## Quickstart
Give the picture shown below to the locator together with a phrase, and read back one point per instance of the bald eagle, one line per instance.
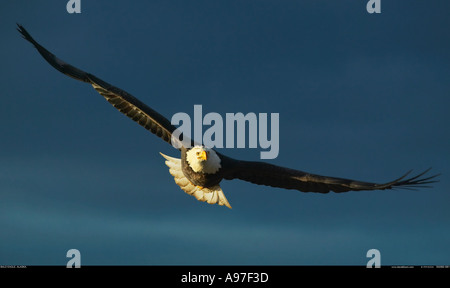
(201, 169)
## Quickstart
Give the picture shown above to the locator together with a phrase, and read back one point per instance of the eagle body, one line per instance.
(200, 170)
(200, 179)
(211, 194)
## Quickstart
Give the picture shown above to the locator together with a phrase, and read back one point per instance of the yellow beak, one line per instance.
(203, 156)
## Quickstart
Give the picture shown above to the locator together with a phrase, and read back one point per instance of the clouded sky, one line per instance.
(359, 95)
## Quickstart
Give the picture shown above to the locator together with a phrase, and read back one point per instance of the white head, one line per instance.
(203, 159)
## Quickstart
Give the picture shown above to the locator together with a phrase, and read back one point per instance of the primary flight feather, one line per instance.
(200, 169)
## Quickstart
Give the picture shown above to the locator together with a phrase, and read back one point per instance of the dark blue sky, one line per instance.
(359, 96)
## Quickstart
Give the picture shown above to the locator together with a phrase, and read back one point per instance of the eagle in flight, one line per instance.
(201, 169)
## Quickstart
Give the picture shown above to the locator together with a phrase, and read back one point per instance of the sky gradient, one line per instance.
(359, 95)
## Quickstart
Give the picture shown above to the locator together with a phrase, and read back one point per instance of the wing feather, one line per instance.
(120, 99)
(271, 175)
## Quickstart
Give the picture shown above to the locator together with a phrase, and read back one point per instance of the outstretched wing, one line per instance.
(271, 175)
(120, 99)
